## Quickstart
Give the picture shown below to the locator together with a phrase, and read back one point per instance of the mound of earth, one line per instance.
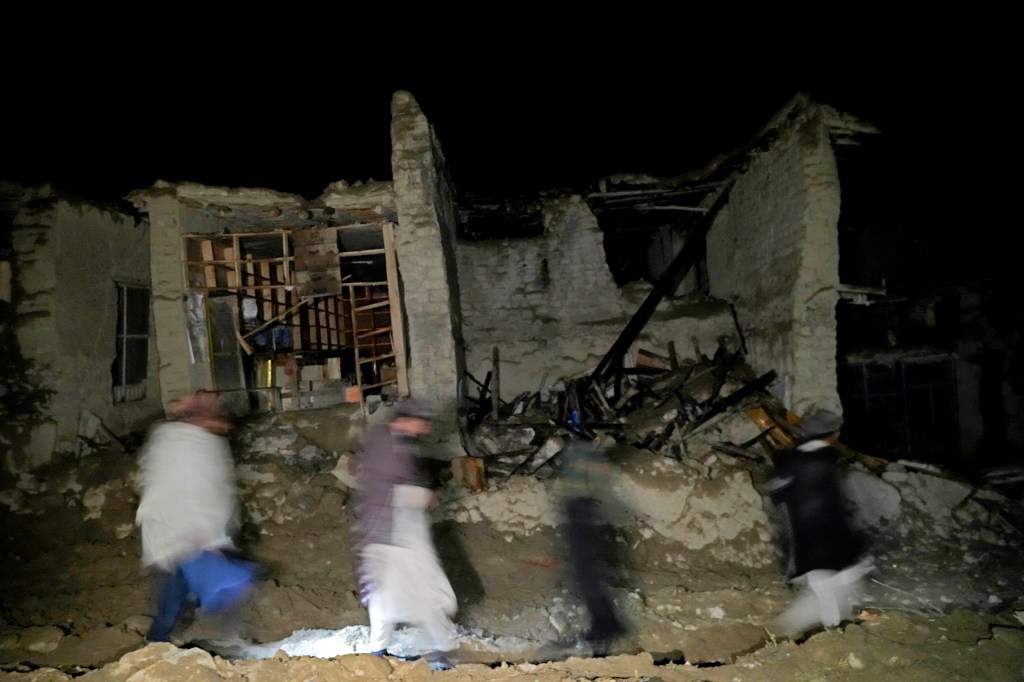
(696, 575)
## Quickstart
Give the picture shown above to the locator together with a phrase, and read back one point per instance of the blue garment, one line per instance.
(219, 582)
(172, 598)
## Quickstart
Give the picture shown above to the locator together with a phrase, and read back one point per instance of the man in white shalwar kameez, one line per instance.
(401, 577)
(189, 500)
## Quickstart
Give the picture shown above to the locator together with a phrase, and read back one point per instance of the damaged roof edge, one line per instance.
(842, 126)
(376, 197)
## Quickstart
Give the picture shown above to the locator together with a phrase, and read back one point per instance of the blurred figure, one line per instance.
(401, 578)
(823, 556)
(585, 499)
(189, 500)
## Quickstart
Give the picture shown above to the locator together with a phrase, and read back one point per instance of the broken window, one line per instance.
(308, 313)
(901, 407)
(131, 357)
(646, 224)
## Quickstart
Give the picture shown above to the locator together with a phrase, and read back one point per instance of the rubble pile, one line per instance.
(697, 577)
(667, 406)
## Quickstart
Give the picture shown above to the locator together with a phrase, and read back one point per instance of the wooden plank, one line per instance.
(226, 256)
(693, 249)
(209, 270)
(323, 329)
(395, 296)
(280, 294)
(315, 235)
(371, 306)
(266, 294)
(374, 332)
(355, 350)
(285, 250)
(368, 252)
(236, 271)
(316, 261)
(332, 322)
(249, 275)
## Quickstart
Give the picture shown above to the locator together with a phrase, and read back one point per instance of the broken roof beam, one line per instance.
(691, 252)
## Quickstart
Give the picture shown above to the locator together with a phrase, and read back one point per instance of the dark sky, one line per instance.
(111, 117)
(105, 134)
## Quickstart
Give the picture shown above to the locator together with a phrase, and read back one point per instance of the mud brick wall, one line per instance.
(68, 257)
(774, 253)
(548, 302)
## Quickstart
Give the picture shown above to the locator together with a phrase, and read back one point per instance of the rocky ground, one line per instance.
(697, 579)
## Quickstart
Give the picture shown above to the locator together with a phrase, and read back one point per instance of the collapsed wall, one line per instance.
(660, 500)
(551, 306)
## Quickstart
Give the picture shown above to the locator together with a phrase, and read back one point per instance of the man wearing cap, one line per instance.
(823, 556)
(401, 578)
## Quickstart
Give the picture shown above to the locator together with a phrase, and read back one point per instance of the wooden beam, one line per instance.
(209, 270)
(395, 296)
(676, 271)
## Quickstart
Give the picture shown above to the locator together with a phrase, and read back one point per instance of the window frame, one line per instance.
(121, 390)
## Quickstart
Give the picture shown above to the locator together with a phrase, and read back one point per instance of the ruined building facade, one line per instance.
(374, 290)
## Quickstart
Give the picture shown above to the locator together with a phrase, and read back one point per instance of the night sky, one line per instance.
(103, 132)
(546, 112)
(510, 133)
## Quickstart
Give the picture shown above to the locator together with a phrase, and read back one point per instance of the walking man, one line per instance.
(401, 578)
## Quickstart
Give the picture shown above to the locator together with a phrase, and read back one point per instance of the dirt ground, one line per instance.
(75, 601)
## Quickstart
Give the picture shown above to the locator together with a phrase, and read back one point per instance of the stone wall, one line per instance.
(424, 245)
(548, 302)
(176, 370)
(774, 253)
(67, 259)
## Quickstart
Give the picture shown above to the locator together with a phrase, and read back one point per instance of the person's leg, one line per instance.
(381, 626)
(441, 636)
(173, 593)
(829, 599)
(591, 570)
(440, 631)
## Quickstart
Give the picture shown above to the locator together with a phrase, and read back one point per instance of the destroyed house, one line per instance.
(384, 289)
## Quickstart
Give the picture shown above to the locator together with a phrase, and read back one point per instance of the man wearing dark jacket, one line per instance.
(823, 556)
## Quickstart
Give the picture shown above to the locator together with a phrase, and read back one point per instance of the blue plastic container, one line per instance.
(219, 582)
